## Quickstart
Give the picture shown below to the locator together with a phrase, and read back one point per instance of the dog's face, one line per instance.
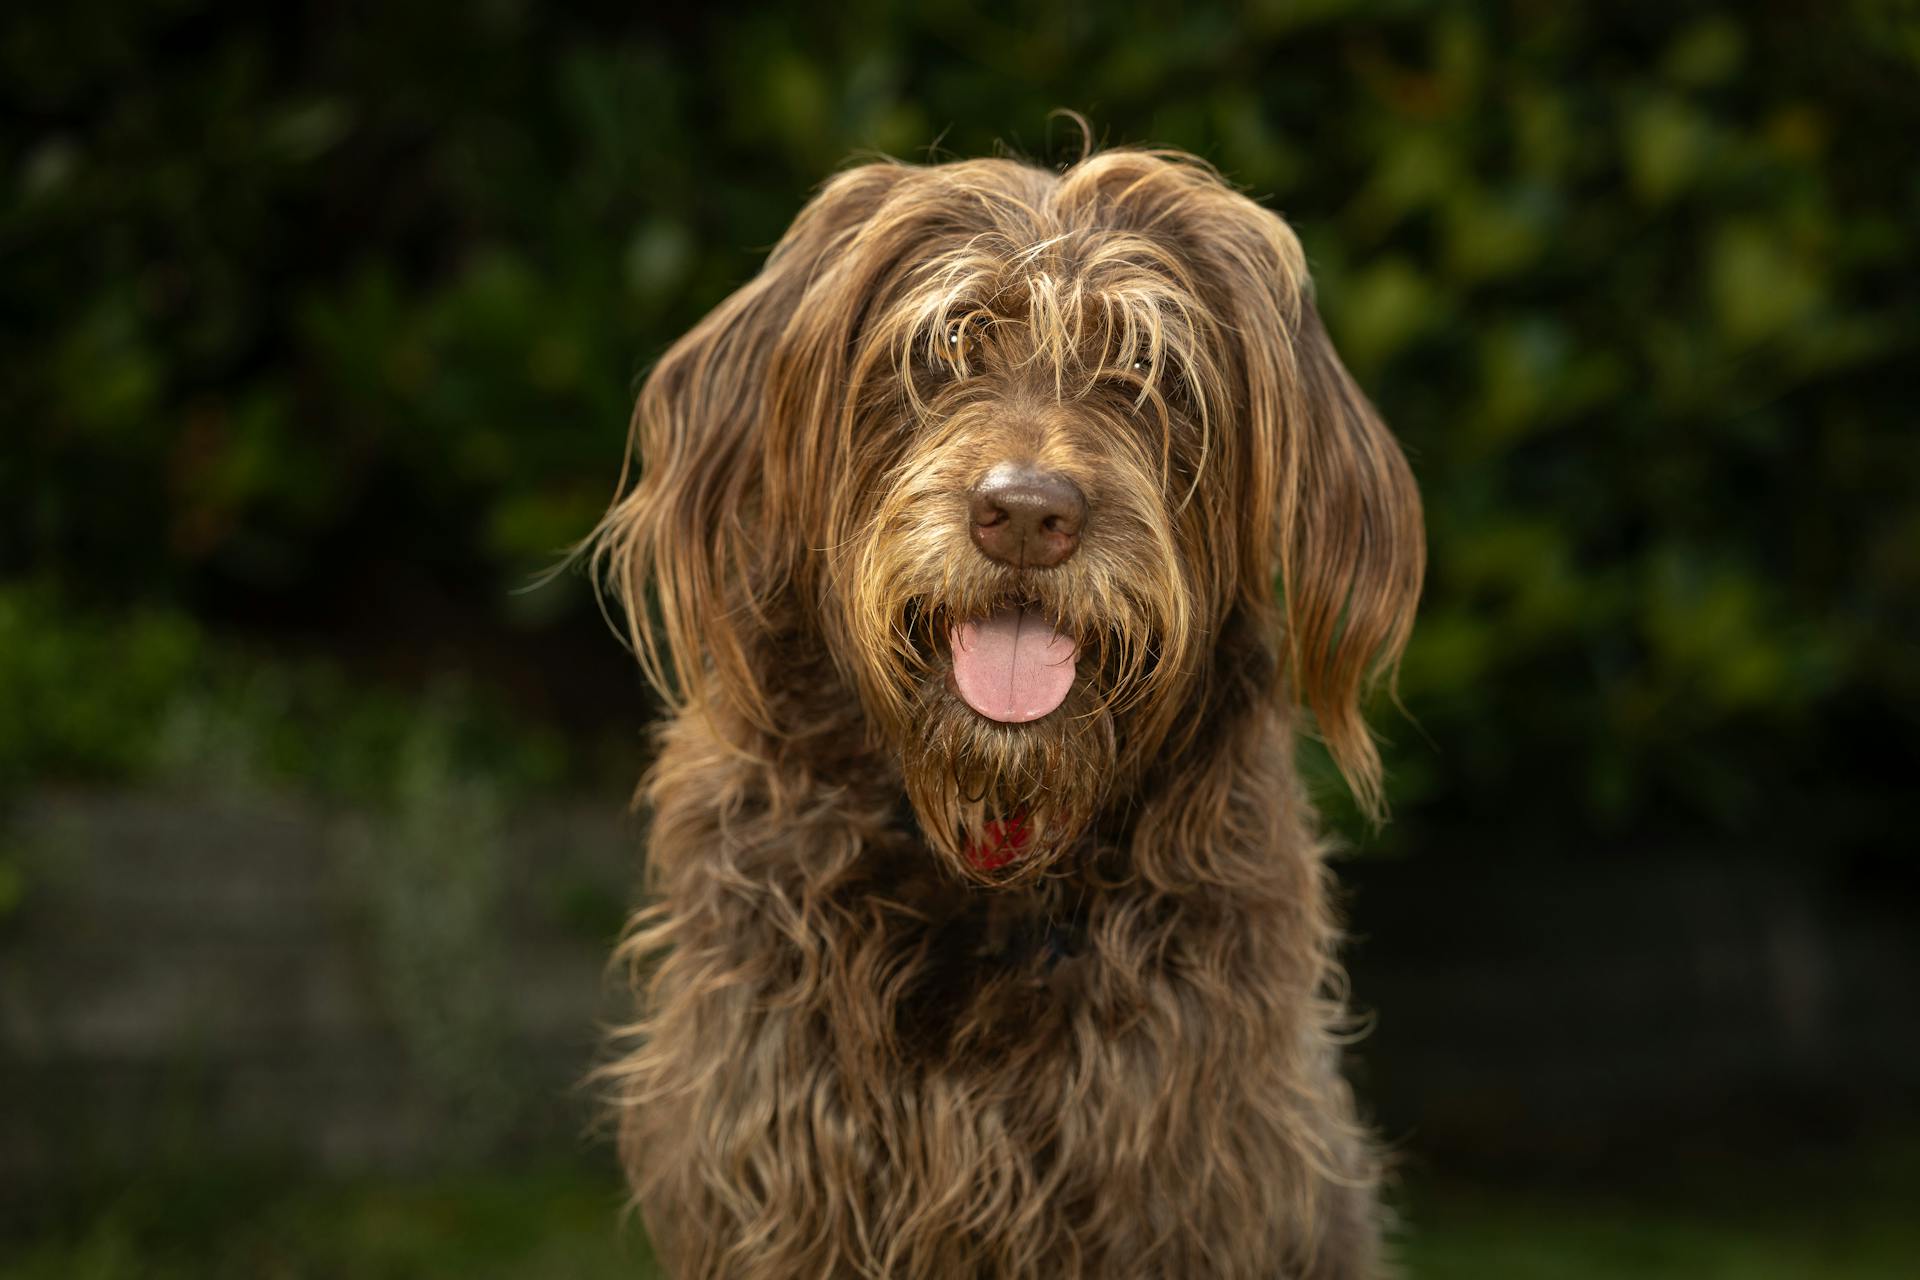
(1028, 456)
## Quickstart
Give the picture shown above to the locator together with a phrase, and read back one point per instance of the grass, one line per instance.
(1746, 1223)
(1483, 1234)
(564, 1223)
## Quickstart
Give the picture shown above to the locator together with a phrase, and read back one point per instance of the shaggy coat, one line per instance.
(922, 993)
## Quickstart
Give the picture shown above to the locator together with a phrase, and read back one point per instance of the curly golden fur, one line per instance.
(862, 1050)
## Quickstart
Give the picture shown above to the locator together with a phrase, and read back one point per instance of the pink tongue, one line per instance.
(1012, 667)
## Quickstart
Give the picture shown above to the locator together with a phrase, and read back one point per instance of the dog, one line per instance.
(990, 549)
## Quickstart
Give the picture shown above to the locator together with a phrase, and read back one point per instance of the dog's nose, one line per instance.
(1027, 517)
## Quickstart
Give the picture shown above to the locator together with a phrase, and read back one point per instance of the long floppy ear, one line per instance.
(727, 435)
(1330, 503)
(1352, 550)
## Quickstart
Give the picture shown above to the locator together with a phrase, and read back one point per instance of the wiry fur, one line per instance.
(862, 1052)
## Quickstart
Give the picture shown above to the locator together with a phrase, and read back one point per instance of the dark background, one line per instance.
(322, 323)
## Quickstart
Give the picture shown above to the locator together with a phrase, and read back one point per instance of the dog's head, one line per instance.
(1032, 459)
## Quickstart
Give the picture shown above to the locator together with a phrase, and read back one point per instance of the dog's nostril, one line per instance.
(988, 514)
(1027, 517)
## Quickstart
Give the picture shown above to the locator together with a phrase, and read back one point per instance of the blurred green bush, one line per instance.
(315, 319)
(91, 696)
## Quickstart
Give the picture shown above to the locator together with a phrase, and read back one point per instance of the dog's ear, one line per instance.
(1350, 545)
(1324, 500)
(728, 437)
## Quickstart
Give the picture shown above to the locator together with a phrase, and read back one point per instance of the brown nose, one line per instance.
(1026, 517)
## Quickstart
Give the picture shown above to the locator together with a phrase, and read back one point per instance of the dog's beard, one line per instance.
(1001, 803)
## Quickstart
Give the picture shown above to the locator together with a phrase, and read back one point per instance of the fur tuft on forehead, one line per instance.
(1099, 268)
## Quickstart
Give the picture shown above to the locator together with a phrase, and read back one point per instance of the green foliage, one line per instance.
(70, 690)
(308, 308)
(90, 695)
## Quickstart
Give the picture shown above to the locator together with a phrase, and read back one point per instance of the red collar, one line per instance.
(1001, 841)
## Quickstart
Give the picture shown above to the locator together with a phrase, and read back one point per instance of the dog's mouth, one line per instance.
(1010, 660)
(1013, 665)
(1011, 735)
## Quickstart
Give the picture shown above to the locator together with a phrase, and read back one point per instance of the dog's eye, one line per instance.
(1142, 365)
(962, 338)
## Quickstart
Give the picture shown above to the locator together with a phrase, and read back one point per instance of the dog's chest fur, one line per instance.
(863, 1067)
(987, 964)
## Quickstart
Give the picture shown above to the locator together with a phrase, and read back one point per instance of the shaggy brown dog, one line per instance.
(991, 934)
